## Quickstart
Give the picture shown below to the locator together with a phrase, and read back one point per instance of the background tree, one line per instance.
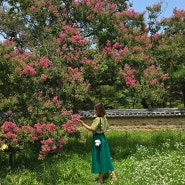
(171, 53)
(91, 48)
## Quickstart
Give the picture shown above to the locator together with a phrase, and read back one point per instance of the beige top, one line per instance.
(96, 125)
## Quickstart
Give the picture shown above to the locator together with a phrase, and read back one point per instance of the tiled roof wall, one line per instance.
(138, 112)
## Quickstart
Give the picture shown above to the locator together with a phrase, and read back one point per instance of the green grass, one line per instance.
(140, 158)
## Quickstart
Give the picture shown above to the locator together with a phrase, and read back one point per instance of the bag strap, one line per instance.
(100, 124)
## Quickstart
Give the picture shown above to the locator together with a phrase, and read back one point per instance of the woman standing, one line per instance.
(101, 158)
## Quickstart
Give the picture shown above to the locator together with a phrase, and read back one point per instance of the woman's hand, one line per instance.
(80, 121)
(85, 125)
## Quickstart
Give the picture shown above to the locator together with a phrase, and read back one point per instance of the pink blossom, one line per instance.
(9, 112)
(45, 148)
(131, 13)
(64, 46)
(116, 45)
(58, 51)
(106, 49)
(69, 122)
(44, 77)
(162, 85)
(76, 117)
(41, 157)
(153, 82)
(9, 127)
(40, 93)
(179, 13)
(53, 9)
(151, 61)
(61, 143)
(64, 126)
(44, 62)
(33, 9)
(130, 71)
(152, 68)
(47, 141)
(6, 56)
(146, 57)
(62, 36)
(137, 38)
(15, 140)
(50, 127)
(35, 138)
(10, 135)
(55, 99)
(30, 70)
(54, 147)
(75, 38)
(123, 51)
(27, 129)
(130, 81)
(8, 42)
(155, 36)
(165, 76)
(76, 95)
(66, 113)
(43, 3)
(137, 48)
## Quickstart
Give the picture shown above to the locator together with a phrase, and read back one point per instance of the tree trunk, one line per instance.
(144, 103)
(11, 160)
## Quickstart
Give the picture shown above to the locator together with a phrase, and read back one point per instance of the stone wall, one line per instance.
(158, 118)
(142, 121)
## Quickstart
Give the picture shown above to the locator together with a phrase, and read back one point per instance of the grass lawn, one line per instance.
(139, 157)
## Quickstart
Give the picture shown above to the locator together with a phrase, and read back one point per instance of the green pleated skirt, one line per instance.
(101, 158)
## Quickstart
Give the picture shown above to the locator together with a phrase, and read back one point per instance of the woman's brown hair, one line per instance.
(100, 110)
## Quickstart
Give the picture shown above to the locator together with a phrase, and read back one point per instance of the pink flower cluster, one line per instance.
(116, 51)
(55, 99)
(180, 14)
(129, 75)
(73, 75)
(9, 127)
(44, 62)
(69, 126)
(10, 130)
(8, 42)
(131, 13)
(98, 6)
(46, 134)
(48, 145)
(44, 128)
(29, 70)
(71, 34)
(153, 81)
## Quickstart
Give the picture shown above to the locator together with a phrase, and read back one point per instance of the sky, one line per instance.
(167, 6)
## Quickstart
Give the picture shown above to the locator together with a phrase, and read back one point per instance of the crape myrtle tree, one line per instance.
(171, 53)
(124, 47)
(106, 24)
(168, 49)
(34, 114)
(42, 77)
(62, 55)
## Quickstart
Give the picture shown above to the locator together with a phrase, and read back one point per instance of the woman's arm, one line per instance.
(85, 125)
